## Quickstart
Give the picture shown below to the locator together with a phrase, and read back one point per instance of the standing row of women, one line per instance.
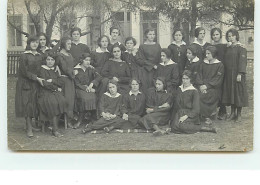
(188, 81)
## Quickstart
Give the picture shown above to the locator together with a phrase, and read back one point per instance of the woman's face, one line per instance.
(231, 38)
(34, 45)
(117, 53)
(189, 54)
(178, 36)
(114, 34)
(42, 41)
(50, 61)
(68, 45)
(86, 62)
(112, 88)
(135, 86)
(185, 80)
(209, 55)
(104, 42)
(201, 35)
(216, 36)
(164, 57)
(129, 45)
(159, 85)
(75, 36)
(150, 36)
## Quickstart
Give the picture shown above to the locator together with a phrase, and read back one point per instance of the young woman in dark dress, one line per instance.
(234, 87)
(178, 49)
(115, 33)
(185, 115)
(118, 70)
(158, 105)
(169, 70)
(87, 80)
(199, 42)
(44, 43)
(149, 56)
(133, 107)
(65, 62)
(77, 48)
(27, 85)
(210, 79)
(51, 100)
(216, 35)
(110, 108)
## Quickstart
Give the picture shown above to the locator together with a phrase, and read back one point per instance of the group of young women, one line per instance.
(116, 86)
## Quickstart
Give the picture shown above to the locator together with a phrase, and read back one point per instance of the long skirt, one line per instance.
(209, 102)
(26, 98)
(102, 123)
(52, 104)
(85, 100)
(148, 79)
(154, 118)
(69, 94)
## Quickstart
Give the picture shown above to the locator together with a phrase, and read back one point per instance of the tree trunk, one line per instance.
(52, 19)
(194, 17)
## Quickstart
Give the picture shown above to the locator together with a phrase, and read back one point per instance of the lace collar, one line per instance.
(98, 50)
(169, 63)
(196, 42)
(182, 43)
(191, 87)
(108, 94)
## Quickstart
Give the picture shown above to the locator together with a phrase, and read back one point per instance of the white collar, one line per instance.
(78, 66)
(131, 93)
(196, 59)
(47, 68)
(119, 43)
(216, 61)
(169, 63)
(77, 43)
(30, 51)
(182, 43)
(108, 94)
(98, 50)
(186, 89)
(196, 42)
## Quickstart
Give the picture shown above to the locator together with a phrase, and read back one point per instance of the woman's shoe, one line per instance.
(238, 119)
(70, 125)
(208, 129)
(208, 121)
(231, 117)
(77, 125)
(56, 134)
(86, 129)
(108, 129)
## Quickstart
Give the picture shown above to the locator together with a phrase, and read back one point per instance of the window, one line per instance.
(31, 27)
(14, 36)
(149, 20)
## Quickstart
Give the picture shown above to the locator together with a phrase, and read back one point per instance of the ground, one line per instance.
(230, 136)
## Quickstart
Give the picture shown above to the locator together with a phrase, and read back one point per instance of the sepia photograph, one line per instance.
(130, 75)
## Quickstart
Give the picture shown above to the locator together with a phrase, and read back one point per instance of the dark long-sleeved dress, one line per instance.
(51, 101)
(112, 105)
(178, 55)
(66, 65)
(194, 67)
(201, 49)
(187, 103)
(148, 56)
(235, 62)
(99, 58)
(27, 85)
(121, 71)
(170, 72)
(86, 100)
(160, 116)
(134, 107)
(77, 50)
(210, 75)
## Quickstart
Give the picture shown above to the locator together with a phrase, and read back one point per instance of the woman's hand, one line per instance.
(125, 116)
(115, 78)
(149, 110)
(155, 66)
(165, 105)
(106, 116)
(203, 89)
(239, 77)
(49, 80)
(75, 72)
(183, 118)
(40, 80)
(59, 89)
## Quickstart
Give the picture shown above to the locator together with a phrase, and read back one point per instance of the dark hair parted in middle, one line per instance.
(47, 39)
(180, 30)
(29, 40)
(83, 57)
(63, 42)
(167, 52)
(114, 28)
(135, 79)
(50, 54)
(75, 29)
(234, 32)
(213, 31)
(130, 38)
(213, 50)
(148, 30)
(163, 80)
(197, 31)
(100, 38)
(193, 50)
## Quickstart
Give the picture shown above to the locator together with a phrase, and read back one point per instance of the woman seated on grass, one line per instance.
(158, 105)
(185, 116)
(109, 105)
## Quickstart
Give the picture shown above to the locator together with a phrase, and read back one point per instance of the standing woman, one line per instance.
(178, 49)
(149, 55)
(118, 70)
(77, 48)
(185, 116)
(234, 87)
(199, 42)
(158, 105)
(210, 79)
(65, 62)
(115, 33)
(44, 43)
(27, 85)
(216, 35)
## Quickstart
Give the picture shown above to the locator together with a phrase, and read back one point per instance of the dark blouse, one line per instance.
(110, 104)
(178, 55)
(66, 65)
(77, 50)
(99, 59)
(134, 104)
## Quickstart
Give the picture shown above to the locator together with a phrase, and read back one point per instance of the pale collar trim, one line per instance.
(78, 66)
(47, 68)
(196, 42)
(196, 59)
(182, 43)
(215, 62)
(30, 51)
(169, 63)
(131, 93)
(98, 50)
(191, 87)
(108, 94)
(76, 43)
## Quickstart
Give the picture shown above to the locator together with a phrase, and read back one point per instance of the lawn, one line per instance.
(230, 136)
